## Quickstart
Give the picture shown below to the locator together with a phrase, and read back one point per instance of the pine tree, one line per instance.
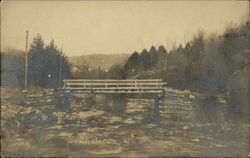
(145, 59)
(45, 62)
(36, 61)
(154, 56)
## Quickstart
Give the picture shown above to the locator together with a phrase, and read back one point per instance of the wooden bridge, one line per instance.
(151, 86)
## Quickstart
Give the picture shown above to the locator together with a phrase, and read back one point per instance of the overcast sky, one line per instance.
(108, 27)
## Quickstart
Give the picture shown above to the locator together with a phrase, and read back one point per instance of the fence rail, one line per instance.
(113, 86)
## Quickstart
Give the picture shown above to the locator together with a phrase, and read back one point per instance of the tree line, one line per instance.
(214, 63)
(44, 62)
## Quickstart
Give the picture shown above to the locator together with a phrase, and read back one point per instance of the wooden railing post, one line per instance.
(91, 86)
(117, 85)
(156, 106)
(64, 84)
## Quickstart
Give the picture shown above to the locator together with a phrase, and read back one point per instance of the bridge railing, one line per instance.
(114, 86)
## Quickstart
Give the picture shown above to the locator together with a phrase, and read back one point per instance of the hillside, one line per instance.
(96, 60)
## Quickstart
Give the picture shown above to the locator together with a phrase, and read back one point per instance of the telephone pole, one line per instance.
(26, 61)
(60, 68)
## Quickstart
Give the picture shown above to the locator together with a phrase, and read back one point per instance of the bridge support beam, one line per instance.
(156, 106)
(63, 101)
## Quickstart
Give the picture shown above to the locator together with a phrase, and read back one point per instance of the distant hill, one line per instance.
(96, 60)
(12, 51)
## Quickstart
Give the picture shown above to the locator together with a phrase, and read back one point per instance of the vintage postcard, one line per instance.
(135, 78)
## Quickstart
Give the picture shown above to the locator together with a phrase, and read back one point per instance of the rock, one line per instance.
(171, 132)
(44, 117)
(132, 138)
(84, 115)
(39, 94)
(37, 111)
(196, 140)
(29, 110)
(24, 91)
(185, 127)
(191, 96)
(49, 100)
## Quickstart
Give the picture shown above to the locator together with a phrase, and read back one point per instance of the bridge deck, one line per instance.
(113, 86)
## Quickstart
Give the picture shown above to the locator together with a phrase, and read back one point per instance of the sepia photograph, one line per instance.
(132, 78)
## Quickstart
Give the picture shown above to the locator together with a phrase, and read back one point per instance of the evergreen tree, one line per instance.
(154, 56)
(133, 61)
(36, 61)
(44, 64)
(145, 59)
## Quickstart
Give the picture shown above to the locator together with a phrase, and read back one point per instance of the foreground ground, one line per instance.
(190, 124)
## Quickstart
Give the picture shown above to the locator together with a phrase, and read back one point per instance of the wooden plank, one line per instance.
(104, 84)
(110, 92)
(140, 80)
(132, 88)
(178, 114)
(177, 105)
(177, 109)
(112, 80)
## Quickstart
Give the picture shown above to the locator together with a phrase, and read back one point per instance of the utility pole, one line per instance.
(60, 68)
(165, 62)
(128, 65)
(26, 61)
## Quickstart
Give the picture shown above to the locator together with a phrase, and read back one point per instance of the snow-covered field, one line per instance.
(190, 124)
